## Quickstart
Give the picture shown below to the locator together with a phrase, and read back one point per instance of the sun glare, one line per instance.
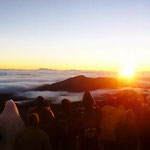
(127, 71)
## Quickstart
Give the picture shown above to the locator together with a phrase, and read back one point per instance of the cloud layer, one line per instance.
(22, 81)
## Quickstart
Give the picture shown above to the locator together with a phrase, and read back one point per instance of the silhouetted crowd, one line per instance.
(120, 124)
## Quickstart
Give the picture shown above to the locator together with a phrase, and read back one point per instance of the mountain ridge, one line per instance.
(80, 83)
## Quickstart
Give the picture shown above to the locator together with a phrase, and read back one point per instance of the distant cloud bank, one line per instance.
(22, 81)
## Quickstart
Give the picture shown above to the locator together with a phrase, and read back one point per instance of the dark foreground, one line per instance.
(119, 121)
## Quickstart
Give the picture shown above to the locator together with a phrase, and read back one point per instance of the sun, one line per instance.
(127, 71)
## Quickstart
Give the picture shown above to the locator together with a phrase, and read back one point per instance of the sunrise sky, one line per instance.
(75, 34)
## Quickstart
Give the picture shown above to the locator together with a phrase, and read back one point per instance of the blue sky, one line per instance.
(74, 34)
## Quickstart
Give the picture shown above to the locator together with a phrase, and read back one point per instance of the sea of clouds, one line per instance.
(22, 82)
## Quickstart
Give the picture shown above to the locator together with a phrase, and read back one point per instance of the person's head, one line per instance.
(32, 120)
(88, 100)
(41, 102)
(66, 105)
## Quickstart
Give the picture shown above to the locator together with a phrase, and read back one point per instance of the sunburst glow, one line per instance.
(127, 71)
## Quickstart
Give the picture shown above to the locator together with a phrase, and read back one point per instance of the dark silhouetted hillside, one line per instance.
(80, 84)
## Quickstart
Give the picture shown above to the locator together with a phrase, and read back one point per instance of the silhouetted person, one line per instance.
(88, 136)
(111, 115)
(32, 137)
(65, 136)
(10, 125)
(46, 116)
(127, 132)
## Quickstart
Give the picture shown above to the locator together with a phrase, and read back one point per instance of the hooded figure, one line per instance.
(46, 116)
(32, 137)
(88, 101)
(44, 111)
(10, 125)
(88, 134)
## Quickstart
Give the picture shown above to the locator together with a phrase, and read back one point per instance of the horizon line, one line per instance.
(94, 70)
